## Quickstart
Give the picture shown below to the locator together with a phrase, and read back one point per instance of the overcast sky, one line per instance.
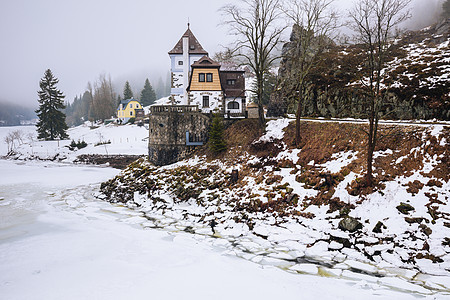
(127, 39)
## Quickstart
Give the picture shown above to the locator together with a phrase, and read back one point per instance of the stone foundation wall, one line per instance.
(115, 161)
(167, 132)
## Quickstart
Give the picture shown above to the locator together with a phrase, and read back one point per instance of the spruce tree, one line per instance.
(148, 95)
(216, 135)
(127, 93)
(52, 121)
(160, 89)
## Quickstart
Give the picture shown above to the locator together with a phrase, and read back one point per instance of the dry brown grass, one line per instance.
(321, 140)
(242, 133)
(409, 147)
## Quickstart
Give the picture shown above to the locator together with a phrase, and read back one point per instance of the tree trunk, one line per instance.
(370, 148)
(369, 176)
(262, 120)
(298, 137)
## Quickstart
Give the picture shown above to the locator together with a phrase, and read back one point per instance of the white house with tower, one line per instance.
(200, 81)
(186, 52)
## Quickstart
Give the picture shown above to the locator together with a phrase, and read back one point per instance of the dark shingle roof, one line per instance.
(125, 102)
(194, 45)
(206, 62)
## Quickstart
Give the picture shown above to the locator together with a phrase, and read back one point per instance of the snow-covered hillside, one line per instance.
(287, 207)
(284, 211)
(101, 139)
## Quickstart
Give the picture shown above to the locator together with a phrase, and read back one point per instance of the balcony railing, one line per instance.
(191, 108)
(173, 108)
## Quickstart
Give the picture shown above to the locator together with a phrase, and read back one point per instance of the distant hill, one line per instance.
(418, 71)
(12, 114)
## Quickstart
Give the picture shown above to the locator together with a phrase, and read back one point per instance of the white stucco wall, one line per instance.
(179, 81)
(215, 100)
(238, 100)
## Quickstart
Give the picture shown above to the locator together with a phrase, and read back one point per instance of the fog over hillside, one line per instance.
(424, 13)
(12, 114)
(96, 41)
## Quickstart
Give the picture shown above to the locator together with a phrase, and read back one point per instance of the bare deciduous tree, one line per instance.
(314, 23)
(258, 32)
(374, 22)
(14, 139)
(104, 99)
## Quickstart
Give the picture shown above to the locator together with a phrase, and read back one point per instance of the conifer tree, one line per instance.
(52, 121)
(127, 93)
(216, 135)
(160, 89)
(148, 95)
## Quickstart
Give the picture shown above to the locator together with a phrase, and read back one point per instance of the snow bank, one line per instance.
(274, 130)
(101, 139)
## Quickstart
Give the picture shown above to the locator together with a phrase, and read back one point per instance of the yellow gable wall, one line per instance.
(205, 86)
(126, 111)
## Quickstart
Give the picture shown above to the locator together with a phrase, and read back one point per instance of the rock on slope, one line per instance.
(295, 199)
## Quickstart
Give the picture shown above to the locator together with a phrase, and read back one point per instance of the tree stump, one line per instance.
(234, 176)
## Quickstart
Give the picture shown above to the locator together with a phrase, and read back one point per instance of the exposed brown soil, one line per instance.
(404, 149)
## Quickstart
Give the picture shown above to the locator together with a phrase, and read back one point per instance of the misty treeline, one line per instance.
(12, 114)
(100, 100)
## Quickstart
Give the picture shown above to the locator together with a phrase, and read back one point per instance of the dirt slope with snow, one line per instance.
(289, 205)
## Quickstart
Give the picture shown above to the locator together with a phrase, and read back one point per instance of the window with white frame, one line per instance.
(233, 105)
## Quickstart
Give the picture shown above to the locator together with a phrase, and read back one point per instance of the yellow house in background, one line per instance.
(130, 108)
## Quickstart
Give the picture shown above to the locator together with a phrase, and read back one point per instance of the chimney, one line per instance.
(185, 68)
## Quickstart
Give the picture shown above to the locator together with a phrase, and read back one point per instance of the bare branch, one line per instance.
(255, 24)
(374, 22)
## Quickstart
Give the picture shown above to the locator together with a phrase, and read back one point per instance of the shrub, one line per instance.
(77, 145)
(216, 136)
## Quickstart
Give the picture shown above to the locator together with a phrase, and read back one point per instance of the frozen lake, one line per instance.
(57, 241)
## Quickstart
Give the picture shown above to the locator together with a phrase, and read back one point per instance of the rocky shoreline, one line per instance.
(115, 161)
(291, 206)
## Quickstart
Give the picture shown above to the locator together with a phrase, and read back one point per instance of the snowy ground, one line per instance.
(109, 139)
(58, 242)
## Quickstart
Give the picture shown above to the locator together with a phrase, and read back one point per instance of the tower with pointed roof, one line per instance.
(186, 52)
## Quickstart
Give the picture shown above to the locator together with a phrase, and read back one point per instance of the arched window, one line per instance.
(233, 105)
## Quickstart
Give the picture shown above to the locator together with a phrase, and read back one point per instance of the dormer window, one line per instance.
(192, 47)
(201, 77)
(231, 81)
(209, 77)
